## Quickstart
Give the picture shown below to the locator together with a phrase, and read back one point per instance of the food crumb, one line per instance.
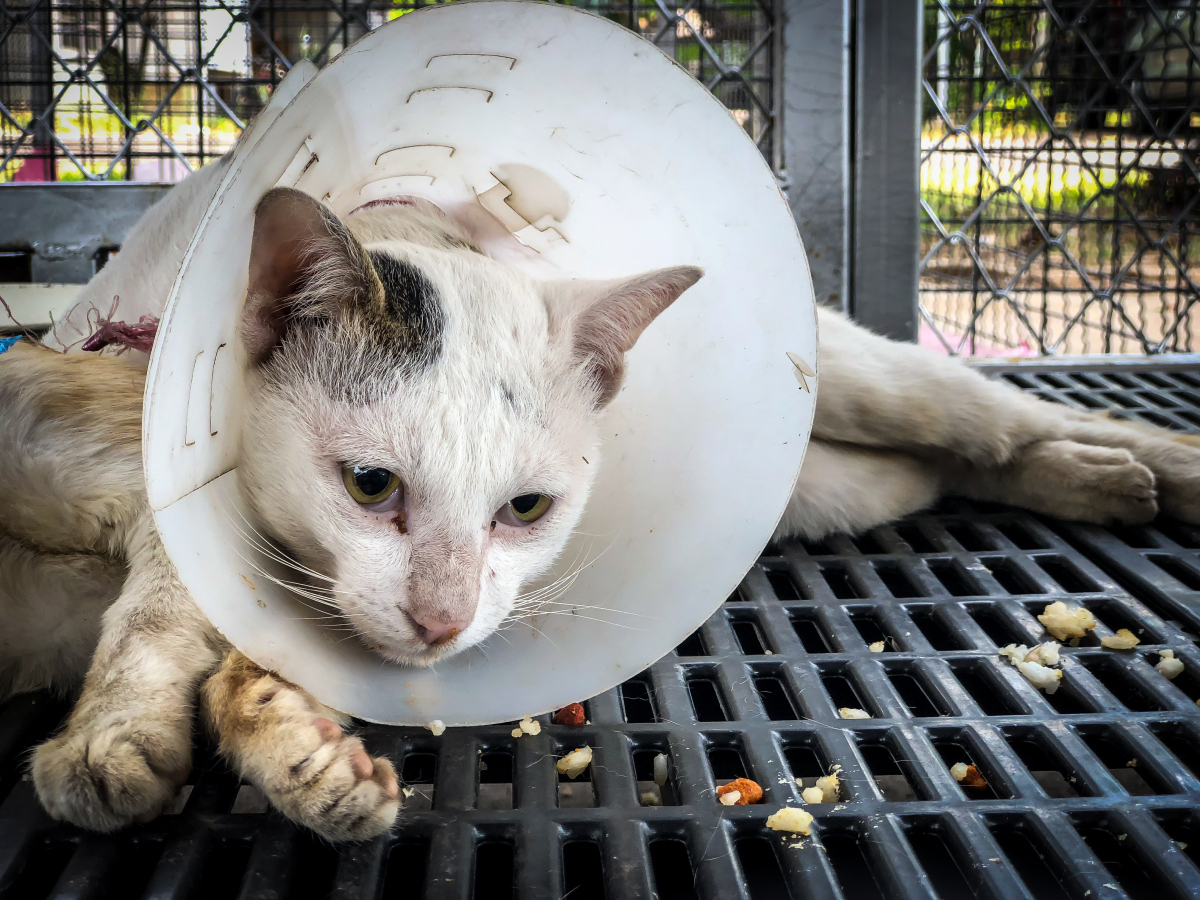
(1124, 639)
(650, 798)
(1168, 666)
(791, 819)
(1045, 654)
(530, 726)
(1040, 676)
(830, 786)
(1067, 622)
(813, 795)
(571, 714)
(437, 726)
(968, 776)
(847, 712)
(876, 647)
(1132, 764)
(661, 772)
(1182, 845)
(408, 792)
(573, 764)
(747, 792)
(1121, 837)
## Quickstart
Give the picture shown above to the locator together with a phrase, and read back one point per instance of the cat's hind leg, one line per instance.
(844, 488)
(294, 750)
(880, 393)
(1065, 479)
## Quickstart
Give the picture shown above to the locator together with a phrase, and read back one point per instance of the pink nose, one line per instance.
(435, 631)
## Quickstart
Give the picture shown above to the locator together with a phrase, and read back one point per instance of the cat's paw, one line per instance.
(104, 774)
(280, 739)
(1104, 485)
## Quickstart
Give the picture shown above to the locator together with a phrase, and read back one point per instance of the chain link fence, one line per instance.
(1060, 142)
(94, 90)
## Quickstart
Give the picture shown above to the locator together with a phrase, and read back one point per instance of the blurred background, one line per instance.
(1006, 178)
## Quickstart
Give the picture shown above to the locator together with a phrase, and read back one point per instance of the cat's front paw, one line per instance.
(280, 739)
(104, 774)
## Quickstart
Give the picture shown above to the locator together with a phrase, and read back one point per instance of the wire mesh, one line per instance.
(149, 90)
(1092, 792)
(1060, 143)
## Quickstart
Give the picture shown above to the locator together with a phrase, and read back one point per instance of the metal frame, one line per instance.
(851, 126)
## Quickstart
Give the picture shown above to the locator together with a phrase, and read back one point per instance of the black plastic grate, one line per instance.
(755, 693)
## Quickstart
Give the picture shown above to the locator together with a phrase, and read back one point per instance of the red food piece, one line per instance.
(572, 714)
(750, 791)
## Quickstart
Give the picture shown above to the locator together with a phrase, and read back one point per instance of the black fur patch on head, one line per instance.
(412, 302)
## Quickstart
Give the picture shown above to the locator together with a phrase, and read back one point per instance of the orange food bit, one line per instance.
(974, 779)
(572, 714)
(750, 791)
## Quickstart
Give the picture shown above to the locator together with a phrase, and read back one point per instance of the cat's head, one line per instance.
(421, 420)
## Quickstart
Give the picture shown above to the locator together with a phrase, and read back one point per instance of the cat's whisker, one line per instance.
(276, 553)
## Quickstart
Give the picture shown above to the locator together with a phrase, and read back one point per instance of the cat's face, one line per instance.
(421, 420)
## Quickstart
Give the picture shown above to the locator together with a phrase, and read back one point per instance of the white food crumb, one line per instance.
(993, 859)
(517, 732)
(847, 712)
(1046, 654)
(959, 771)
(408, 792)
(1041, 676)
(830, 786)
(792, 819)
(1121, 837)
(650, 798)
(660, 769)
(1182, 845)
(1124, 639)
(813, 795)
(1067, 622)
(1132, 764)
(573, 764)
(530, 726)
(437, 726)
(1168, 666)
(1015, 652)
(876, 647)
(730, 798)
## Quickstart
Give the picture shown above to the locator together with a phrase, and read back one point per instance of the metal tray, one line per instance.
(1092, 792)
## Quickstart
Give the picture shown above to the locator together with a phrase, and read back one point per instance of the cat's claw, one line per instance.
(104, 775)
(313, 772)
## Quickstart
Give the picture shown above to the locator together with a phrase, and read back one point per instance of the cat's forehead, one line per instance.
(482, 315)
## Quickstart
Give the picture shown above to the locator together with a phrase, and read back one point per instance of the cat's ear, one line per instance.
(603, 319)
(304, 264)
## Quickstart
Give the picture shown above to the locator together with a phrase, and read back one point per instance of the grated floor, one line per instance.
(1092, 792)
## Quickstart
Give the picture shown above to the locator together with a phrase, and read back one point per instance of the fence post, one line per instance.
(815, 108)
(886, 194)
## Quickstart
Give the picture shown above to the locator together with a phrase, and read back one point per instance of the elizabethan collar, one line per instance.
(601, 158)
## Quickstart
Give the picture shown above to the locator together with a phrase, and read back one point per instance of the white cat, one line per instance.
(417, 414)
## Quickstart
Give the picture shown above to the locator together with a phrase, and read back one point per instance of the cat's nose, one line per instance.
(435, 631)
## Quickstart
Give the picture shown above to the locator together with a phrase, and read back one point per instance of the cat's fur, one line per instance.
(352, 359)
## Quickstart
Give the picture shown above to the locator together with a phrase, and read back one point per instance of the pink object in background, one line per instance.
(37, 166)
(928, 339)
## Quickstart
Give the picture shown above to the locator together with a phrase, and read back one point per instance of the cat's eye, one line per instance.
(528, 508)
(369, 485)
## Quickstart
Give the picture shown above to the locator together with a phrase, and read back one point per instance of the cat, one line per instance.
(419, 421)
(385, 356)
